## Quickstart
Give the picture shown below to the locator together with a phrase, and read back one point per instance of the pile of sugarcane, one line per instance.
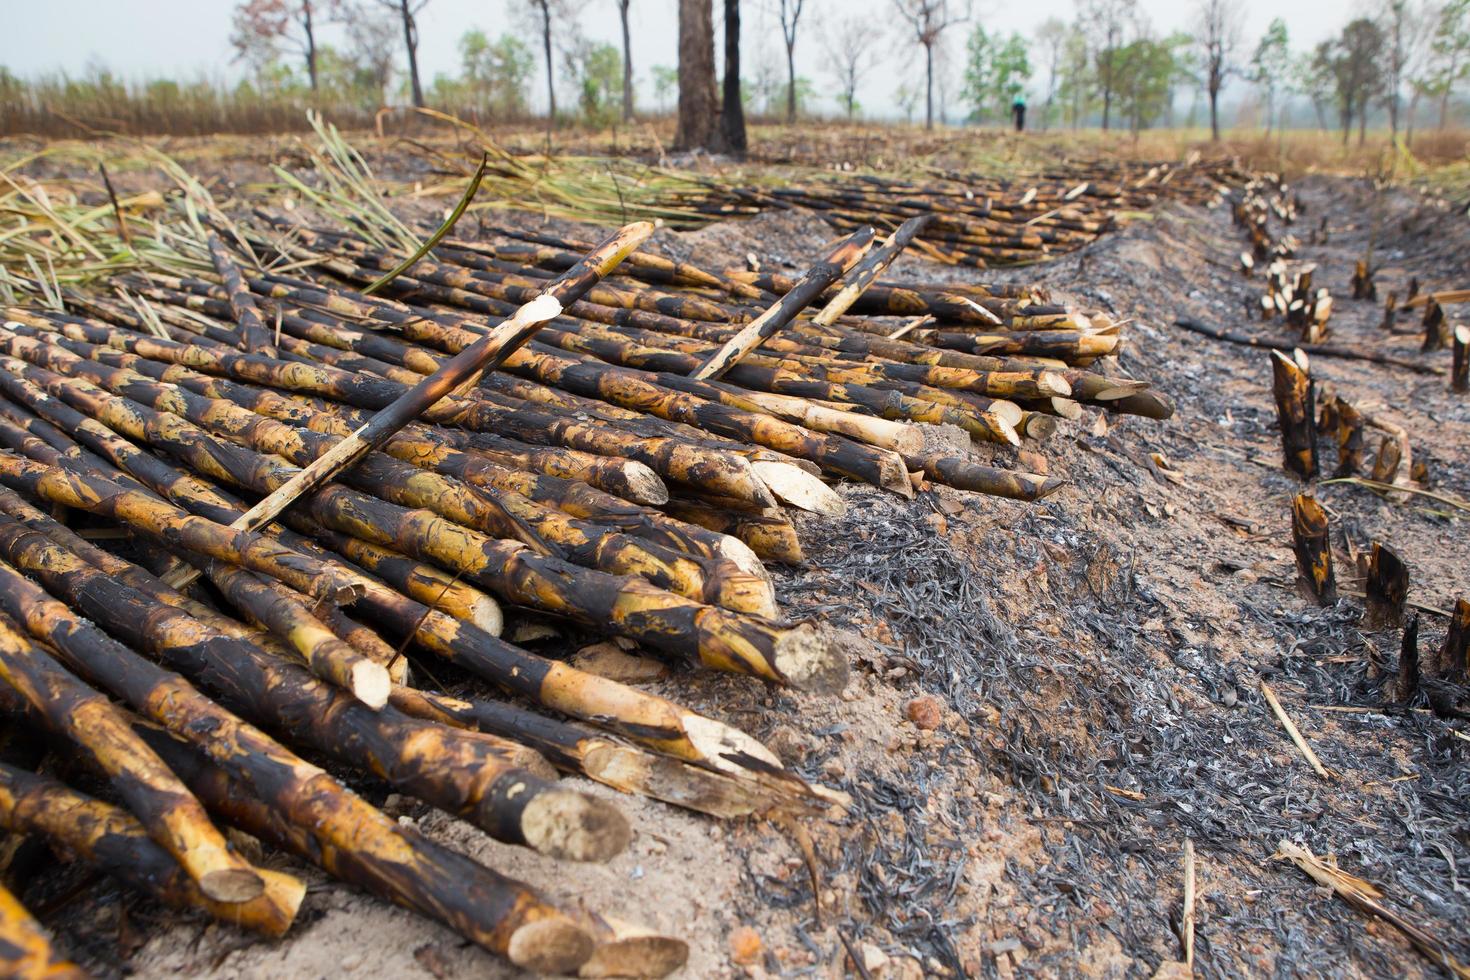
(977, 220)
(242, 490)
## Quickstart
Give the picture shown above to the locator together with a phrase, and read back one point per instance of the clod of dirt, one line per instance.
(606, 660)
(925, 712)
(745, 945)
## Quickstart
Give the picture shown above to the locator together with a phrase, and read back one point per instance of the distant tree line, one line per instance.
(1402, 65)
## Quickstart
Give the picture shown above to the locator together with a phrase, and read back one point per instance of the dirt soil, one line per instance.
(1097, 661)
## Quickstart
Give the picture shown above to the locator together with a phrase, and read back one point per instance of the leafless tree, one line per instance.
(850, 56)
(1051, 41)
(1217, 34)
(373, 46)
(928, 20)
(627, 62)
(789, 12)
(407, 11)
(1108, 21)
(698, 119)
(261, 25)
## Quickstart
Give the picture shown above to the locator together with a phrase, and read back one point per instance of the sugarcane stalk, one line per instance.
(484, 355)
(860, 277)
(470, 777)
(254, 336)
(1460, 352)
(501, 914)
(1454, 655)
(175, 819)
(633, 714)
(624, 767)
(111, 840)
(25, 950)
(769, 534)
(802, 293)
(1387, 588)
(1312, 545)
(1293, 390)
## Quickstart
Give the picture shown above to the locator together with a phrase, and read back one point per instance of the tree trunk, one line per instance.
(929, 86)
(732, 109)
(1214, 113)
(697, 129)
(1362, 119)
(310, 42)
(791, 81)
(550, 71)
(411, 40)
(1107, 103)
(627, 63)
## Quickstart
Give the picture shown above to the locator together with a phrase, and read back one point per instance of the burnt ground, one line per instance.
(1099, 655)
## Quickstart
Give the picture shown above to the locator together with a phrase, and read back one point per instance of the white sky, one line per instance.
(190, 38)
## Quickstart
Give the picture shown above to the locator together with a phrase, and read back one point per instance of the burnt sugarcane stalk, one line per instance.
(1460, 370)
(1293, 389)
(175, 819)
(274, 607)
(590, 544)
(471, 778)
(25, 950)
(711, 470)
(500, 914)
(861, 277)
(1311, 542)
(254, 336)
(802, 293)
(769, 534)
(1387, 588)
(484, 355)
(616, 707)
(574, 749)
(174, 527)
(111, 840)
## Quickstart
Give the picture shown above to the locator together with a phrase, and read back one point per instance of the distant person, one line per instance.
(1018, 111)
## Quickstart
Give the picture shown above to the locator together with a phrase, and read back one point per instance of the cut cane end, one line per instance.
(552, 945)
(1048, 486)
(726, 748)
(1051, 383)
(1040, 427)
(636, 956)
(812, 660)
(283, 895)
(574, 827)
(800, 489)
(232, 885)
(371, 683)
(739, 553)
(642, 485)
(485, 613)
(1067, 408)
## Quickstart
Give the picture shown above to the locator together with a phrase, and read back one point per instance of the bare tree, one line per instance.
(697, 127)
(407, 11)
(627, 62)
(1051, 40)
(541, 12)
(1108, 20)
(850, 55)
(732, 107)
(372, 38)
(261, 25)
(789, 12)
(1217, 34)
(929, 19)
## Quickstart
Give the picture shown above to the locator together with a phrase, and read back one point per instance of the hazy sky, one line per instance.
(189, 38)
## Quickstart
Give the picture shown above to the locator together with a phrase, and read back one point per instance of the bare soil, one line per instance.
(1098, 658)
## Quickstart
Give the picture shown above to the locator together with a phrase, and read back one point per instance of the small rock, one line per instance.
(925, 712)
(745, 945)
(875, 961)
(1172, 970)
(607, 660)
(834, 768)
(1033, 462)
